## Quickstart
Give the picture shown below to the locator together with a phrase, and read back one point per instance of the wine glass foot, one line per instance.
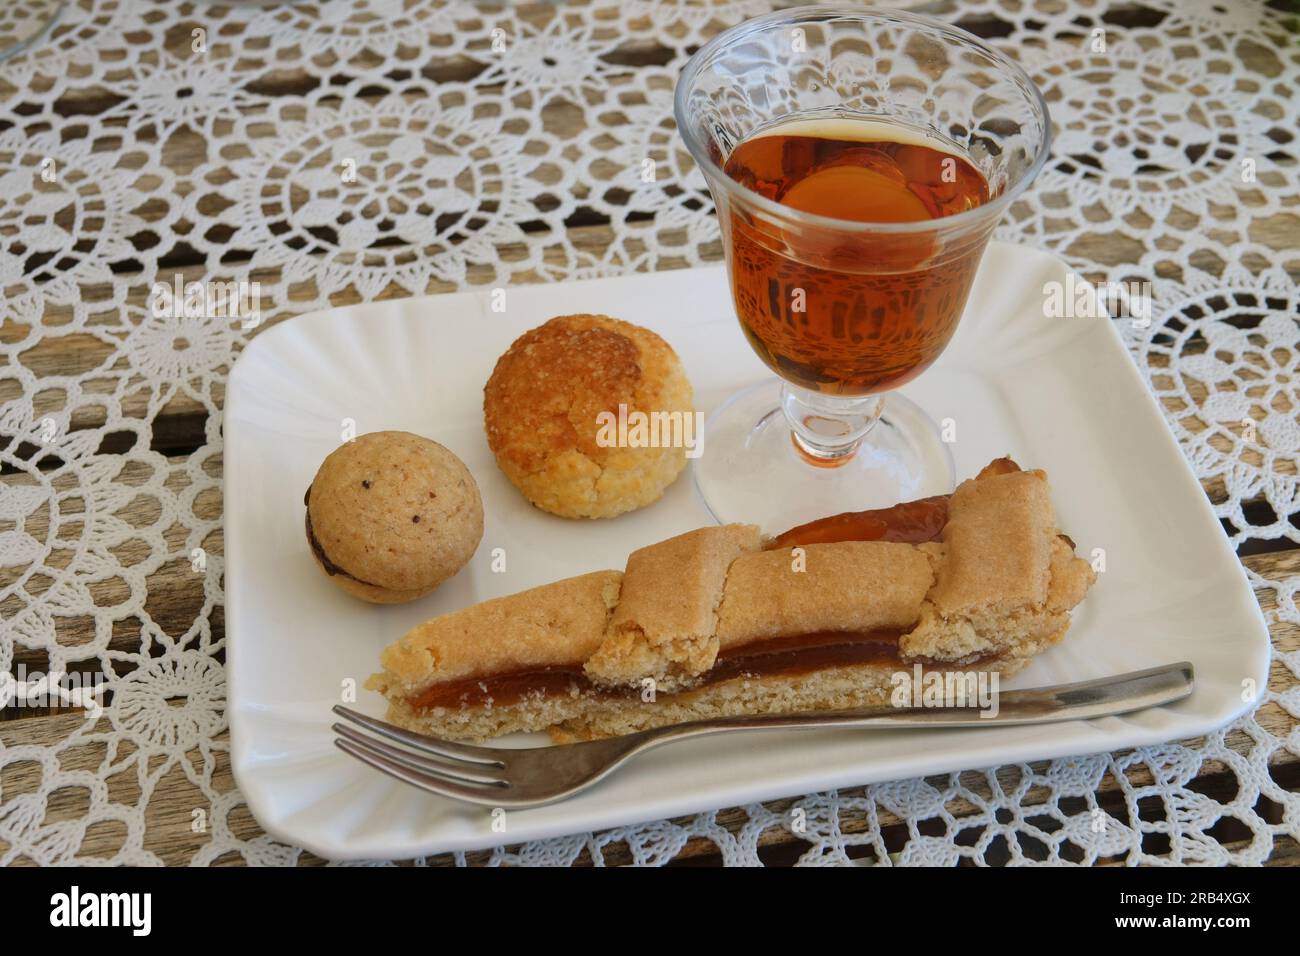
(751, 471)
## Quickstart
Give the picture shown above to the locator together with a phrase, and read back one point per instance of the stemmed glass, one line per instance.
(845, 311)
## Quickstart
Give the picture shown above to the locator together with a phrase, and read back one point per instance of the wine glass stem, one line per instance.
(829, 428)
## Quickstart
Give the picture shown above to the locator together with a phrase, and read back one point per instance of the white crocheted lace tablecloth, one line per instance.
(143, 139)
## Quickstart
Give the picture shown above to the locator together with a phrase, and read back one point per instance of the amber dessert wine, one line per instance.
(859, 161)
(829, 319)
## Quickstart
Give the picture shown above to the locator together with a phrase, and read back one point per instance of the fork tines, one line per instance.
(442, 767)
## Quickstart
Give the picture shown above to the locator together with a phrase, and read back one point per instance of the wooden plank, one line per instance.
(183, 151)
(171, 819)
(180, 423)
(175, 599)
(634, 50)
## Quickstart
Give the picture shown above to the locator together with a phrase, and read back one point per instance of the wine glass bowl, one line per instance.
(859, 161)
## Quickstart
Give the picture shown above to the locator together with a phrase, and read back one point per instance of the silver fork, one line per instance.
(533, 776)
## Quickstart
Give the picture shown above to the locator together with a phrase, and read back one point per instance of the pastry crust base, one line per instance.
(832, 688)
(583, 716)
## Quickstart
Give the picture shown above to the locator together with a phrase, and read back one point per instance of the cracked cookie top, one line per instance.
(585, 415)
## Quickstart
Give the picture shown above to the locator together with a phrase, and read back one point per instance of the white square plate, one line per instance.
(1058, 394)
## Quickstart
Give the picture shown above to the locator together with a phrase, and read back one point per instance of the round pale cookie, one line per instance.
(391, 515)
(543, 405)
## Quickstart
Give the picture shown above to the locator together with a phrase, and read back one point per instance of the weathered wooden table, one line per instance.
(174, 131)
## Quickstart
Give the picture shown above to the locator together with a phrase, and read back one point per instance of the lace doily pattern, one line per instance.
(337, 152)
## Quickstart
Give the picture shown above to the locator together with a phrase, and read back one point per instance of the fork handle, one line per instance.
(1085, 700)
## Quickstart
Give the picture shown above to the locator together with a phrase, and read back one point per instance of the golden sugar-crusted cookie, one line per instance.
(543, 404)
